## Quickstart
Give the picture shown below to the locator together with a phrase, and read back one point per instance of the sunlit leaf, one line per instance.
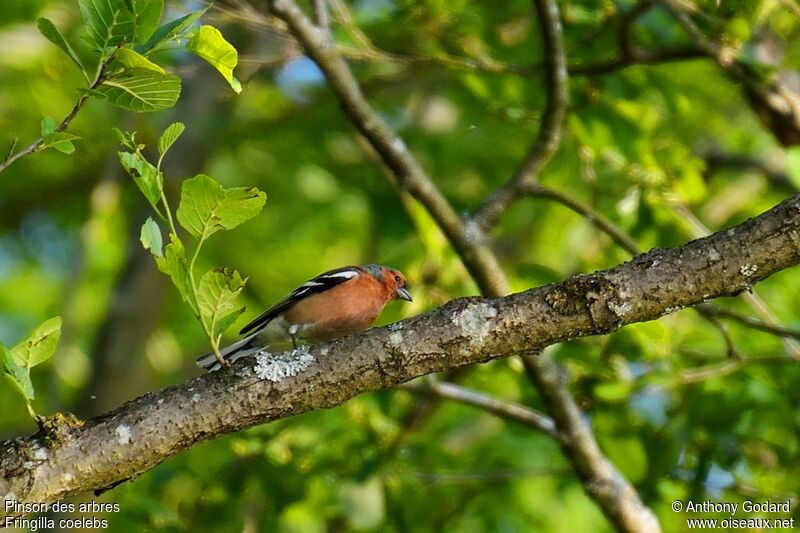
(61, 141)
(49, 125)
(169, 137)
(206, 207)
(131, 60)
(174, 264)
(146, 16)
(141, 89)
(170, 31)
(209, 44)
(216, 297)
(40, 346)
(144, 174)
(151, 237)
(16, 375)
(108, 21)
(49, 30)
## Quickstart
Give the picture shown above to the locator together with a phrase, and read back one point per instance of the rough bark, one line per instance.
(68, 459)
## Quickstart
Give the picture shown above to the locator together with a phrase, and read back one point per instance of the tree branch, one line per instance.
(36, 145)
(549, 136)
(468, 239)
(503, 409)
(477, 256)
(125, 443)
(774, 101)
(602, 481)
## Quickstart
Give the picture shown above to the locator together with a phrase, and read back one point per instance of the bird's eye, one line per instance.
(397, 279)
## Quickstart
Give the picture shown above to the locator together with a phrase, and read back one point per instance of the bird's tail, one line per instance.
(230, 353)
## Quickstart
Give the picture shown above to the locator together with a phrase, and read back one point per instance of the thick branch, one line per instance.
(141, 434)
(467, 239)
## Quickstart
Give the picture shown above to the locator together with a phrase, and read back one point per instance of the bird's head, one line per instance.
(394, 280)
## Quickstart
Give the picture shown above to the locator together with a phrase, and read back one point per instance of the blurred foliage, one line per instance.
(634, 149)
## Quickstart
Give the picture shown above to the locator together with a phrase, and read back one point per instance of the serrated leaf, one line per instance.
(49, 30)
(40, 346)
(170, 31)
(216, 297)
(173, 263)
(146, 176)
(169, 137)
(151, 237)
(49, 125)
(108, 21)
(207, 208)
(131, 60)
(209, 44)
(141, 90)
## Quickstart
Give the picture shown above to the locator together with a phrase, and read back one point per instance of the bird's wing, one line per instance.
(321, 283)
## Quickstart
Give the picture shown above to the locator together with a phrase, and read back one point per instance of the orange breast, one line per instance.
(344, 309)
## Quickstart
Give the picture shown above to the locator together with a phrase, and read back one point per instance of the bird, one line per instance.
(331, 305)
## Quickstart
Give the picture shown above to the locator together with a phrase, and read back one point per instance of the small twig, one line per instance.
(504, 409)
(321, 16)
(594, 217)
(485, 476)
(730, 347)
(11, 149)
(717, 159)
(729, 366)
(36, 145)
(549, 137)
(637, 56)
(754, 323)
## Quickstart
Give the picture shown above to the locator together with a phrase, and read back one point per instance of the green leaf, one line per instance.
(61, 141)
(49, 125)
(169, 137)
(209, 44)
(216, 295)
(108, 21)
(16, 375)
(207, 208)
(174, 264)
(141, 89)
(49, 30)
(131, 60)
(127, 140)
(151, 237)
(40, 346)
(146, 16)
(170, 31)
(65, 147)
(146, 176)
(22, 383)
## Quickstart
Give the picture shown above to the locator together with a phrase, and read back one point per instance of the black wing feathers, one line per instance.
(321, 283)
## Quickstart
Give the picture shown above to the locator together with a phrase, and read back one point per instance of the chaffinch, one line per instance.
(334, 304)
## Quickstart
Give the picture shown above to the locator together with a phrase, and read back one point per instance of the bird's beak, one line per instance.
(401, 293)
